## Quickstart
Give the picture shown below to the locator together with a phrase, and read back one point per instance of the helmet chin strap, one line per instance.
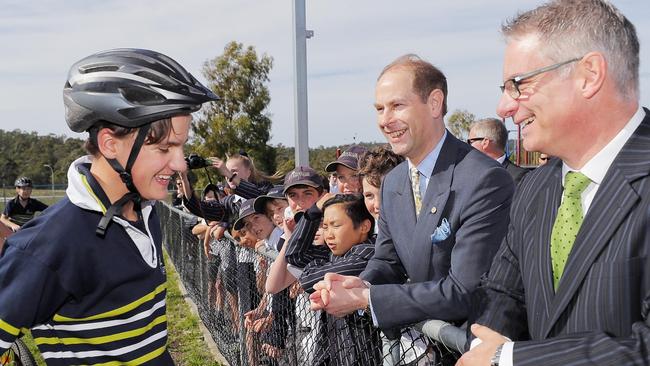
(125, 175)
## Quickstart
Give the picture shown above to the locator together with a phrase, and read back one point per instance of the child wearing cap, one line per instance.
(346, 168)
(276, 310)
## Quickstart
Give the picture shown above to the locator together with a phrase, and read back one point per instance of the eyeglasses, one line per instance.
(469, 141)
(511, 86)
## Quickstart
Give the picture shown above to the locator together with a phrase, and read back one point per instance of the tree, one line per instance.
(460, 122)
(239, 120)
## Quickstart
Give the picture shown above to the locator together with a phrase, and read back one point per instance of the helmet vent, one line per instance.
(88, 70)
(155, 78)
(141, 96)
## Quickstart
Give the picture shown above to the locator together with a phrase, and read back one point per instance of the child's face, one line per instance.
(246, 238)
(258, 225)
(24, 192)
(339, 232)
(319, 238)
(348, 179)
(209, 196)
(237, 166)
(275, 210)
(157, 163)
(371, 198)
(302, 198)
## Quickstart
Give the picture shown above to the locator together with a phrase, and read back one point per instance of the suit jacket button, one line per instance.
(434, 210)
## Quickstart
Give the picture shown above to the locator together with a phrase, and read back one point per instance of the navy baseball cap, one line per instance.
(246, 209)
(274, 193)
(350, 158)
(302, 175)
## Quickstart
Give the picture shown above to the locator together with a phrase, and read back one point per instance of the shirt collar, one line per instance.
(501, 159)
(596, 168)
(429, 162)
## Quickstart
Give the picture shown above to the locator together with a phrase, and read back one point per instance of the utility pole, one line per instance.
(300, 36)
(51, 177)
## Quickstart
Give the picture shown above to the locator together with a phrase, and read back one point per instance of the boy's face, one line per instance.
(275, 210)
(302, 197)
(24, 192)
(209, 196)
(339, 232)
(348, 180)
(258, 225)
(371, 198)
(156, 164)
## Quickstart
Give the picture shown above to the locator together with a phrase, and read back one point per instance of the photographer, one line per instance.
(242, 176)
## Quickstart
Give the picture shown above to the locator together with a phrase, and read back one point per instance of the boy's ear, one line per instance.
(365, 226)
(106, 142)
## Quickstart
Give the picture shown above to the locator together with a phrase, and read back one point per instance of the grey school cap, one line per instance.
(246, 209)
(274, 193)
(302, 175)
(350, 158)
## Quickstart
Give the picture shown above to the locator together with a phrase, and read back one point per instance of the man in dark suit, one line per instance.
(490, 136)
(570, 284)
(443, 215)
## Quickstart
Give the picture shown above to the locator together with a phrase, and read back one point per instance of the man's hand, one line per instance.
(483, 353)
(339, 295)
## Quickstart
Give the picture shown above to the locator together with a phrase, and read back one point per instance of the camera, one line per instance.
(195, 161)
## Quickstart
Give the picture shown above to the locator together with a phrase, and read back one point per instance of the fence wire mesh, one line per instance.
(251, 327)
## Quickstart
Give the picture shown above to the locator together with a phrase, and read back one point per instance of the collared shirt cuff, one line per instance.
(506, 354)
(372, 312)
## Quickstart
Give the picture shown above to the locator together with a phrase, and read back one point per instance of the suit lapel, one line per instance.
(612, 204)
(545, 205)
(437, 194)
(404, 216)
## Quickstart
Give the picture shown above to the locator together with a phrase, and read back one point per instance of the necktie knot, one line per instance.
(575, 183)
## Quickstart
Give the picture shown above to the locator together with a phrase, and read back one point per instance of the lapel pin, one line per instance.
(434, 210)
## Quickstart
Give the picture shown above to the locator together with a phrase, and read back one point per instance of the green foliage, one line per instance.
(239, 120)
(318, 157)
(460, 122)
(25, 153)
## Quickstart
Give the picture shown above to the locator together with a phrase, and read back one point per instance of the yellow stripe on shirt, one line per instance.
(116, 312)
(104, 339)
(138, 361)
(9, 328)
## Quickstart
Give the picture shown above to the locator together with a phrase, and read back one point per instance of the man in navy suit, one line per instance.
(443, 215)
(571, 283)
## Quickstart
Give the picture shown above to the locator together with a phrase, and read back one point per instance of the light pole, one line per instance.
(52, 176)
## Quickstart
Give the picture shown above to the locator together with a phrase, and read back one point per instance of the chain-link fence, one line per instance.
(251, 327)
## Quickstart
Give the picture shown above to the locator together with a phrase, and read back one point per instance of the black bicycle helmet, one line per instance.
(23, 182)
(129, 87)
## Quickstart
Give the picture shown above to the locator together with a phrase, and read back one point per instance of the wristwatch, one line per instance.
(497, 355)
(367, 308)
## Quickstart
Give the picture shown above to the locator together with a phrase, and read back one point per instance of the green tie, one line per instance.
(567, 223)
(415, 184)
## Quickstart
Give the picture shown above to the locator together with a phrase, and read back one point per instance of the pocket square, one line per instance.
(442, 232)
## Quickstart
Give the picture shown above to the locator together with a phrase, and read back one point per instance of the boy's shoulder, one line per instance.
(364, 250)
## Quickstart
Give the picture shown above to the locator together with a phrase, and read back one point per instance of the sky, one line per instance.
(353, 40)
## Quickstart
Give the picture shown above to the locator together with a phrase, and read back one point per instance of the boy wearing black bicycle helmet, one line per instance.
(22, 208)
(87, 276)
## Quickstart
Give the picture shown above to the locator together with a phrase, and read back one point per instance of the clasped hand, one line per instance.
(339, 295)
